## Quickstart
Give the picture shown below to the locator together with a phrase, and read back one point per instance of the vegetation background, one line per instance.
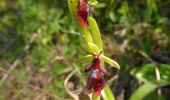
(39, 47)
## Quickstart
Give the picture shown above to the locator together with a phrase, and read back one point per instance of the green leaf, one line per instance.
(107, 94)
(110, 61)
(93, 2)
(143, 91)
(146, 73)
(124, 8)
(77, 69)
(72, 4)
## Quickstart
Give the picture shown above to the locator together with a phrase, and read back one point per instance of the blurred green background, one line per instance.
(39, 45)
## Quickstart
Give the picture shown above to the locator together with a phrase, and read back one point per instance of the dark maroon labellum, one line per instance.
(82, 13)
(95, 80)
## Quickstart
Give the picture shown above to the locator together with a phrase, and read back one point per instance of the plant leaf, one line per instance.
(107, 93)
(72, 4)
(146, 73)
(143, 91)
(93, 2)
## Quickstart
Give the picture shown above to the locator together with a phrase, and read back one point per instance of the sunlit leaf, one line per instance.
(107, 94)
(72, 4)
(146, 73)
(93, 2)
(77, 68)
(143, 91)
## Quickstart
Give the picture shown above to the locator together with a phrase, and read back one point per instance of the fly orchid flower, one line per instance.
(95, 80)
(82, 13)
(91, 35)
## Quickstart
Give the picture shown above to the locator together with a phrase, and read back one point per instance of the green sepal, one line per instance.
(94, 48)
(110, 61)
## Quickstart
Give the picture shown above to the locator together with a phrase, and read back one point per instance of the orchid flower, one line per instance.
(95, 80)
(90, 32)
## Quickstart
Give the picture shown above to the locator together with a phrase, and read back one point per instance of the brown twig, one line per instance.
(110, 81)
(65, 85)
(46, 93)
(36, 88)
(19, 58)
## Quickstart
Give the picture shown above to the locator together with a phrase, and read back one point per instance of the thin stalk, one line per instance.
(95, 97)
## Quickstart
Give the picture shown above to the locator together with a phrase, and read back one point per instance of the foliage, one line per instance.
(146, 74)
(134, 32)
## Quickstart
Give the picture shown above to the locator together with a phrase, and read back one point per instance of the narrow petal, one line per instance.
(104, 71)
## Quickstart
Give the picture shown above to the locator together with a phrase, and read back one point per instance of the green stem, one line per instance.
(95, 97)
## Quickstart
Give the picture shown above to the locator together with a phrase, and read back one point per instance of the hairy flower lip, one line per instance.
(96, 82)
(96, 78)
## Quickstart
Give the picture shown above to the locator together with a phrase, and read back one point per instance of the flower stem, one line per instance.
(95, 97)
